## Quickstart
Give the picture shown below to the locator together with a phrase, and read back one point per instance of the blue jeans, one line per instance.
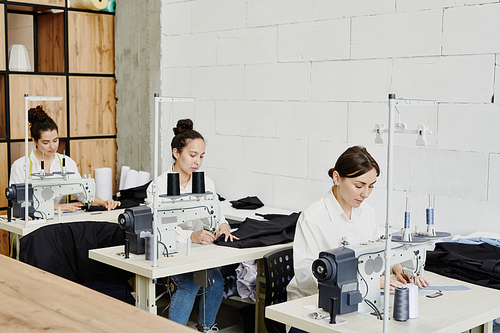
(295, 330)
(182, 301)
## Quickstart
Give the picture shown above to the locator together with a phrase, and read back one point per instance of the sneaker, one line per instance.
(213, 329)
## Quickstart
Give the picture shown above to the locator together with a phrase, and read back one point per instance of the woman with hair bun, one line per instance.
(45, 135)
(341, 215)
(188, 151)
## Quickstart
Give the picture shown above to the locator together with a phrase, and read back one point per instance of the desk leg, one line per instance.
(18, 245)
(145, 297)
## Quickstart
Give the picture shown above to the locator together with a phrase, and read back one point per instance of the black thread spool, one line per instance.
(198, 182)
(173, 184)
(401, 309)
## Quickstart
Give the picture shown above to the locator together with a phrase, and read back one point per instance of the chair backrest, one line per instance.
(278, 270)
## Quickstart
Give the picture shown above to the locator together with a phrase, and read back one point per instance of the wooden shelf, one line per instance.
(36, 85)
(50, 44)
(55, 3)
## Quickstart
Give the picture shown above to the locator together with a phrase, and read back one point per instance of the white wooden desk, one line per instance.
(33, 300)
(20, 230)
(201, 257)
(455, 311)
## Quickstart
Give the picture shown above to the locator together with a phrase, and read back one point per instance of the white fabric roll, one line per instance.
(131, 179)
(143, 178)
(123, 174)
(413, 300)
(104, 183)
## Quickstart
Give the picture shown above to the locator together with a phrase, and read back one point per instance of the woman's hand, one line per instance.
(225, 229)
(111, 204)
(69, 207)
(405, 278)
(108, 204)
(202, 237)
(393, 283)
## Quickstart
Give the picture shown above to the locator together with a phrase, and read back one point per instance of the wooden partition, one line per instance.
(3, 58)
(36, 85)
(91, 45)
(92, 106)
(92, 154)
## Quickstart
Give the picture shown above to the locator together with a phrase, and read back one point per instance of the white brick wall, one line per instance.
(247, 46)
(314, 41)
(325, 9)
(463, 34)
(355, 80)
(208, 16)
(283, 87)
(397, 35)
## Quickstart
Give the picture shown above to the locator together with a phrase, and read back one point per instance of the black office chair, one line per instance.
(278, 269)
(63, 249)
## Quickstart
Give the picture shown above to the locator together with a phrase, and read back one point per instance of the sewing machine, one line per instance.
(351, 274)
(42, 192)
(172, 211)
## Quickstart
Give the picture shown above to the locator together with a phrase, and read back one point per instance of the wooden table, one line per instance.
(455, 311)
(33, 300)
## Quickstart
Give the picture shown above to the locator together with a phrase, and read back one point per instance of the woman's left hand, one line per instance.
(405, 278)
(225, 229)
(111, 204)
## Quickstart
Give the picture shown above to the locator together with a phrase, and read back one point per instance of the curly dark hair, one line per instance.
(40, 122)
(183, 134)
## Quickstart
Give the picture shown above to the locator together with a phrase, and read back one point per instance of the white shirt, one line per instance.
(320, 227)
(184, 230)
(17, 173)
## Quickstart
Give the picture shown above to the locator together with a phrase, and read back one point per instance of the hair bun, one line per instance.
(37, 114)
(183, 125)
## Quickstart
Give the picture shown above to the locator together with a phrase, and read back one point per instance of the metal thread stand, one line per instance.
(27, 99)
(156, 201)
(390, 164)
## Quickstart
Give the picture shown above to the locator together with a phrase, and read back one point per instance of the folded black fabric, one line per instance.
(133, 196)
(474, 263)
(254, 233)
(247, 203)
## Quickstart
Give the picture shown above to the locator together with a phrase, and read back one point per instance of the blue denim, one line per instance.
(182, 301)
(296, 330)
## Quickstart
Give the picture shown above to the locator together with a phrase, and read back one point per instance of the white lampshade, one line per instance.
(18, 58)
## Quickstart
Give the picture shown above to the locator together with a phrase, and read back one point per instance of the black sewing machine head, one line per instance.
(137, 223)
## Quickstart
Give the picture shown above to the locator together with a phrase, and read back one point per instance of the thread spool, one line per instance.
(149, 247)
(401, 309)
(430, 216)
(173, 184)
(198, 182)
(413, 300)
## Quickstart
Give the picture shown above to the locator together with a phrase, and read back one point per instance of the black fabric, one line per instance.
(133, 196)
(62, 249)
(247, 203)
(474, 263)
(253, 233)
